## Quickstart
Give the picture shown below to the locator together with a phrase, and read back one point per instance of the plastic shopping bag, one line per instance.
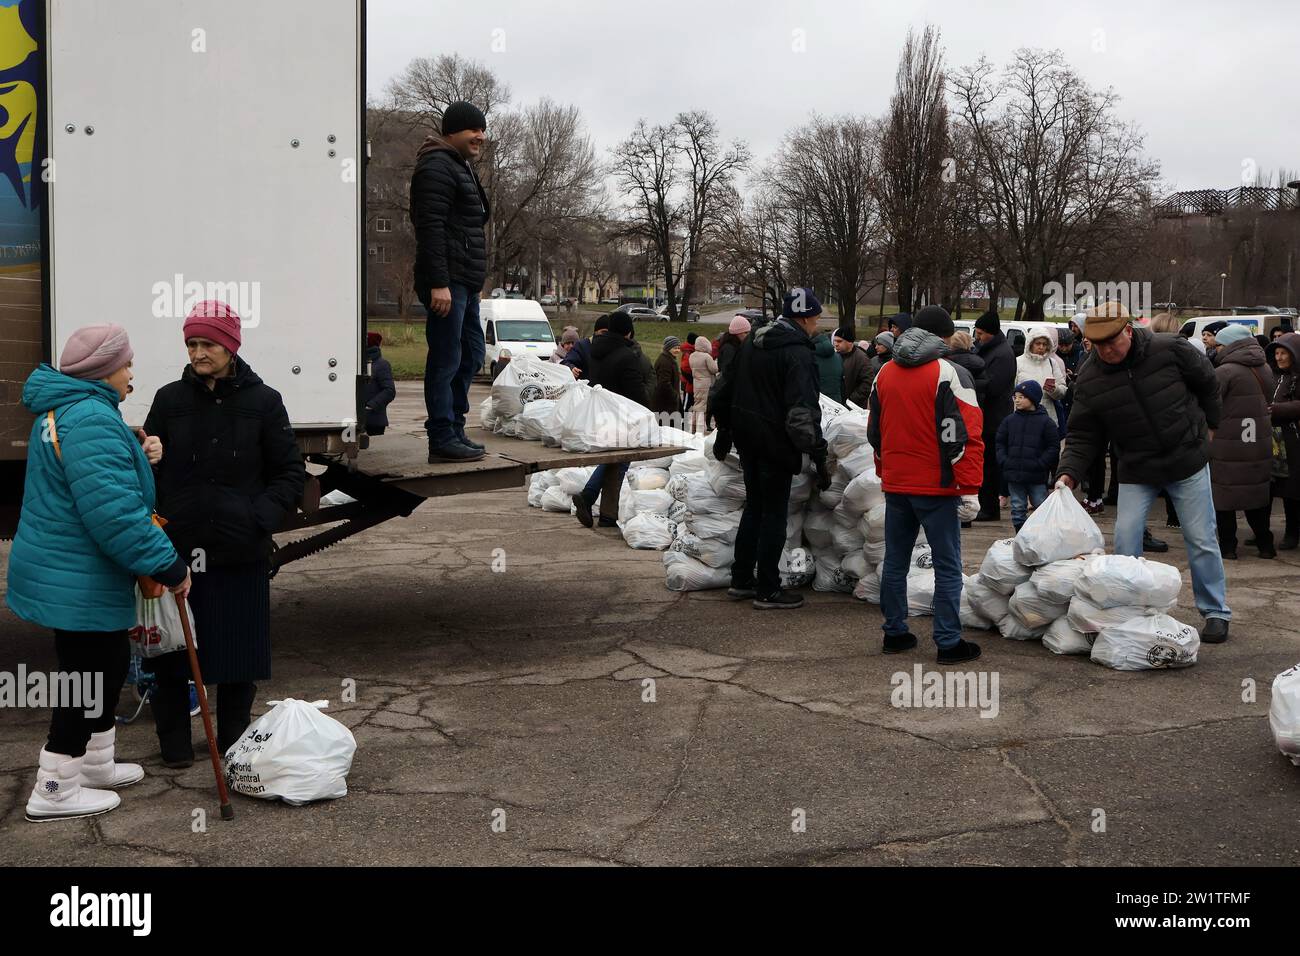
(1113, 580)
(989, 604)
(684, 573)
(647, 531)
(1087, 618)
(158, 628)
(292, 752)
(1284, 713)
(1055, 581)
(1059, 528)
(1154, 641)
(607, 421)
(1000, 570)
(1061, 638)
(526, 379)
(796, 568)
(1012, 629)
(1032, 609)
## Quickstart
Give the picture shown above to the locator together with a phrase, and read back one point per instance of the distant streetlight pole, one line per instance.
(1169, 303)
(1223, 278)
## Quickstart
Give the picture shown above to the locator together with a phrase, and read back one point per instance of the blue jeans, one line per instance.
(937, 514)
(1194, 502)
(1022, 495)
(456, 351)
(594, 483)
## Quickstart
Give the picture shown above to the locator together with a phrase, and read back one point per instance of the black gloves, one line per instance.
(722, 445)
(823, 474)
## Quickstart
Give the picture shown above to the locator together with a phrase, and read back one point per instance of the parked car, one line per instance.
(692, 315)
(548, 299)
(612, 301)
(514, 327)
(640, 313)
(1195, 327)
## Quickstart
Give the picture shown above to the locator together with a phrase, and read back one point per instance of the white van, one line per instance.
(1193, 328)
(518, 326)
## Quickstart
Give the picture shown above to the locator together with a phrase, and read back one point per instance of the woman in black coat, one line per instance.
(231, 473)
(1284, 412)
(666, 402)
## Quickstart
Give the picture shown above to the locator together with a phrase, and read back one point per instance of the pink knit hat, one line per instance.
(213, 319)
(738, 325)
(96, 351)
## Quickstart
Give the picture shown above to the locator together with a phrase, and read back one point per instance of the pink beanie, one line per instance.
(738, 325)
(213, 319)
(96, 351)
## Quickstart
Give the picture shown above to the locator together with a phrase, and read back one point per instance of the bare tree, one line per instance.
(827, 168)
(1054, 175)
(913, 150)
(429, 85)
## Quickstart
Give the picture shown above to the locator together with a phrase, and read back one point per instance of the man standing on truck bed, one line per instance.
(448, 211)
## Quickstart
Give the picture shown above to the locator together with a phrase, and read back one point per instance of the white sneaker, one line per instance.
(59, 795)
(98, 768)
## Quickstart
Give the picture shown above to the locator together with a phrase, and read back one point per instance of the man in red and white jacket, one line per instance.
(925, 427)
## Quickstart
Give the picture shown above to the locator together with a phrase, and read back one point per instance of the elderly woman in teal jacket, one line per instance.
(85, 533)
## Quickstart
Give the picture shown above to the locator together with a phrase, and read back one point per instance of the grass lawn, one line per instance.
(405, 349)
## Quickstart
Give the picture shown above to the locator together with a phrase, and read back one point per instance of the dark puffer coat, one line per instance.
(978, 373)
(768, 400)
(1286, 414)
(231, 470)
(380, 391)
(1000, 372)
(1155, 406)
(1028, 447)
(1241, 454)
(448, 210)
(667, 397)
(616, 365)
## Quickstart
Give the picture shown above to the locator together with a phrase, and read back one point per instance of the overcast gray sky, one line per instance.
(1213, 84)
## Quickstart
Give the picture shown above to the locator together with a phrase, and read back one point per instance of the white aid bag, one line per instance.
(920, 593)
(158, 628)
(572, 480)
(1055, 581)
(1087, 618)
(554, 499)
(868, 588)
(1114, 580)
(656, 501)
(970, 617)
(1154, 641)
(725, 481)
(714, 552)
(856, 463)
(695, 491)
(985, 601)
(830, 576)
(855, 565)
(715, 527)
(796, 568)
(1012, 629)
(1284, 713)
(607, 422)
(526, 379)
(1000, 570)
(293, 752)
(487, 414)
(794, 530)
(922, 558)
(801, 489)
(968, 508)
(845, 433)
(648, 532)
(574, 397)
(684, 573)
(648, 479)
(817, 526)
(537, 419)
(845, 540)
(1059, 528)
(1061, 638)
(664, 435)
(510, 427)
(688, 462)
(538, 485)
(834, 494)
(875, 525)
(1032, 610)
(875, 552)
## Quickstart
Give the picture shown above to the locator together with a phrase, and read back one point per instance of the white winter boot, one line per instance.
(59, 795)
(99, 770)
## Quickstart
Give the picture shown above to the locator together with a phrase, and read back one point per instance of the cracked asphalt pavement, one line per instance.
(524, 691)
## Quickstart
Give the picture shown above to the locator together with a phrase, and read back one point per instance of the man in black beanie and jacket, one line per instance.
(448, 211)
(1000, 370)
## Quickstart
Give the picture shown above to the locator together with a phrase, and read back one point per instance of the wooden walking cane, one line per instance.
(227, 811)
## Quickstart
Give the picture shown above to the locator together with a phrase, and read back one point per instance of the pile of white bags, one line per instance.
(1113, 580)
(1284, 713)
(1154, 641)
(607, 421)
(684, 573)
(1000, 571)
(294, 753)
(648, 531)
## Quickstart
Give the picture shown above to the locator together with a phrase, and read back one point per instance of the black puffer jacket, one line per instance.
(616, 365)
(1155, 406)
(231, 470)
(1286, 414)
(979, 375)
(768, 401)
(380, 390)
(1000, 374)
(448, 210)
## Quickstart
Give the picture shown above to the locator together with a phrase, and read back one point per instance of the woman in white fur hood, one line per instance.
(1041, 364)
